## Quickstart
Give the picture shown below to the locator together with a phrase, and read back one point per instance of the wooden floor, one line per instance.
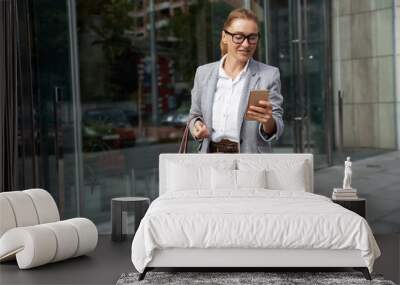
(110, 260)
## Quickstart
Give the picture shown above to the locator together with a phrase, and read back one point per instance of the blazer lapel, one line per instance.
(211, 87)
(250, 84)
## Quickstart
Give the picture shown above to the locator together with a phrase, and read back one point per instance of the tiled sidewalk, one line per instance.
(378, 180)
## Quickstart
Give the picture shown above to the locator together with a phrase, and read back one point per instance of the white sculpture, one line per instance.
(347, 174)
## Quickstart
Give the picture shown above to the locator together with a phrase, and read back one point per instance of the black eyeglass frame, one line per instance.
(244, 37)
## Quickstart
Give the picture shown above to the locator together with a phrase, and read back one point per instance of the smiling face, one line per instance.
(245, 50)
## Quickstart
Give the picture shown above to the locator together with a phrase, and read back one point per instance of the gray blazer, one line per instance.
(259, 77)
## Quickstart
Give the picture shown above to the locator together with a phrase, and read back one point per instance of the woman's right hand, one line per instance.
(200, 130)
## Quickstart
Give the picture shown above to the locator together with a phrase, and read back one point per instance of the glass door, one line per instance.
(137, 61)
(298, 41)
(54, 115)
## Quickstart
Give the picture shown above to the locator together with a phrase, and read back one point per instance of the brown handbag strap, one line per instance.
(185, 138)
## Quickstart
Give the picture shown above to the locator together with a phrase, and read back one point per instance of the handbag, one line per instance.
(184, 141)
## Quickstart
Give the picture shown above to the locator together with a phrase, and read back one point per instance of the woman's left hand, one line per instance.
(263, 114)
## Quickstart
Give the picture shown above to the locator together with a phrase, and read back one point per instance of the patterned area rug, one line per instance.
(243, 278)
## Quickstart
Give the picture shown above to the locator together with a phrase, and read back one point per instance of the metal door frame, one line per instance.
(298, 21)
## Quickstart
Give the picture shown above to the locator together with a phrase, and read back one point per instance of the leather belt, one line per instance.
(225, 146)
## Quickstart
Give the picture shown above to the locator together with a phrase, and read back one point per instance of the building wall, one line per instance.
(364, 71)
(397, 33)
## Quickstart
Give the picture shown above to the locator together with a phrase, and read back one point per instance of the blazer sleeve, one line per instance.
(195, 108)
(276, 100)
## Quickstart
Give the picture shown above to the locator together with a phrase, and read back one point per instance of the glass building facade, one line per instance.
(112, 83)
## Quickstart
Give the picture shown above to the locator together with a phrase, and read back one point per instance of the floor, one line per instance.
(103, 266)
(110, 260)
(376, 179)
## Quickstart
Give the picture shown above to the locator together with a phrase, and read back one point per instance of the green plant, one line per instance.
(109, 20)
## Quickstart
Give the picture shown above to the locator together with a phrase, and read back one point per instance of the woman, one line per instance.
(221, 91)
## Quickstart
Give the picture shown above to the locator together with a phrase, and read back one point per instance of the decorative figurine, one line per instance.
(347, 174)
(347, 192)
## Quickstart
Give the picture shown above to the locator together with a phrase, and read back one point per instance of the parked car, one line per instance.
(177, 118)
(106, 128)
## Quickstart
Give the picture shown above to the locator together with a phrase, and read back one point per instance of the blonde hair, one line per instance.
(240, 13)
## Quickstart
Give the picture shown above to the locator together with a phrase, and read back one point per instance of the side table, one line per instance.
(138, 205)
(358, 206)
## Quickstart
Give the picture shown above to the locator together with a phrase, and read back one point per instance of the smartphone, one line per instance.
(254, 98)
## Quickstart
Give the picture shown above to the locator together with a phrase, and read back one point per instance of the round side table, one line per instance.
(138, 205)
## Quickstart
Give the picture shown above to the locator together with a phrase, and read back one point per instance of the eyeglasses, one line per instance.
(239, 38)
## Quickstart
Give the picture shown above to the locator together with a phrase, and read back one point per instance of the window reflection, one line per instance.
(125, 124)
(121, 87)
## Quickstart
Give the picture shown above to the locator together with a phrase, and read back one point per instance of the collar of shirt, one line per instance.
(222, 73)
